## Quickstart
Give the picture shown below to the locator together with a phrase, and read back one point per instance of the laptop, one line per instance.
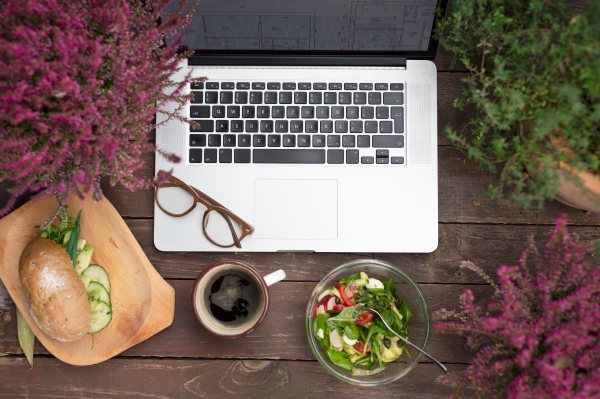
(318, 126)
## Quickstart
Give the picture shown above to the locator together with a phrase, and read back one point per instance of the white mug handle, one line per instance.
(274, 277)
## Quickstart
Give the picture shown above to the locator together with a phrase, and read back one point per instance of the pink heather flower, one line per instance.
(540, 337)
(80, 85)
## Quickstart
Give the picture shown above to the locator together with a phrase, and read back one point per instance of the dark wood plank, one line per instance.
(489, 246)
(281, 336)
(187, 378)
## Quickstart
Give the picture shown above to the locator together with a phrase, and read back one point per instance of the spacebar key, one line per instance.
(288, 156)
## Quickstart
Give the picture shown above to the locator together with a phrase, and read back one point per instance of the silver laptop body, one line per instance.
(347, 198)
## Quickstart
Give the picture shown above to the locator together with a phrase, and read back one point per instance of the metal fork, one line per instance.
(405, 340)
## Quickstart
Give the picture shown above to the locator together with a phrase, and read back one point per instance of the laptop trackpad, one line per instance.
(295, 209)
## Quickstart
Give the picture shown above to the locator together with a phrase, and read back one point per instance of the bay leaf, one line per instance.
(26, 337)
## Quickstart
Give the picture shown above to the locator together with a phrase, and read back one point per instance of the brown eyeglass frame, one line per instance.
(211, 205)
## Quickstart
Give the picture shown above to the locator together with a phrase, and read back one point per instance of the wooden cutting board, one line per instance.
(142, 302)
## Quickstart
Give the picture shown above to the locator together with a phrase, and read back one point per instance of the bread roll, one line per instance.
(55, 296)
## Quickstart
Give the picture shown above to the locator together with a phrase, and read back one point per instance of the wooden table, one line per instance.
(275, 360)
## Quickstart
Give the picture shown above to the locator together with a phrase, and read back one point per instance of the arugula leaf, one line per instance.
(320, 323)
(347, 315)
(340, 358)
(377, 352)
(406, 313)
(351, 331)
(350, 278)
(391, 288)
(72, 245)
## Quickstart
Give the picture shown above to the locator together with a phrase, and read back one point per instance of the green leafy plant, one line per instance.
(534, 78)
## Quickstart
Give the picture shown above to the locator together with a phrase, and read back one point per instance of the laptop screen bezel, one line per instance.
(260, 57)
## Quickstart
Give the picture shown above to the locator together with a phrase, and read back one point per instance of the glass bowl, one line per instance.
(418, 327)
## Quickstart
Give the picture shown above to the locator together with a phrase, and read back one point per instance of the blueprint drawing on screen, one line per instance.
(343, 25)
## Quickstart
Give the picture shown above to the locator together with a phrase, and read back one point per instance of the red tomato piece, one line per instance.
(363, 319)
(345, 299)
(360, 346)
(338, 307)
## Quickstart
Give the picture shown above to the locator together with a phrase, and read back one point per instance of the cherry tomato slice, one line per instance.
(338, 307)
(342, 291)
(363, 319)
(360, 346)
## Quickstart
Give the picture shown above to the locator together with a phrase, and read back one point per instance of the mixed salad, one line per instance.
(352, 336)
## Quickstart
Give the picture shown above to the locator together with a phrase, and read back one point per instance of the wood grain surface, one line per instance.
(275, 361)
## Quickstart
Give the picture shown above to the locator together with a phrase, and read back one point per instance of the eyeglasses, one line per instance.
(219, 225)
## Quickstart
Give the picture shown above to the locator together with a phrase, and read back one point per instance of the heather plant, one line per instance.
(534, 80)
(80, 85)
(539, 337)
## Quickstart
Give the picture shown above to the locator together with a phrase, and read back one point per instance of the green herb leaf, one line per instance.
(73, 239)
(340, 358)
(26, 337)
(406, 313)
(347, 315)
(351, 331)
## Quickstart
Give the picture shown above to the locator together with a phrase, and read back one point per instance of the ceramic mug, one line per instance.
(231, 299)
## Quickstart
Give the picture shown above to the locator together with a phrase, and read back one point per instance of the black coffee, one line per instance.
(234, 296)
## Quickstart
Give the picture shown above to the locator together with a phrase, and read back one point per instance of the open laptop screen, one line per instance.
(316, 26)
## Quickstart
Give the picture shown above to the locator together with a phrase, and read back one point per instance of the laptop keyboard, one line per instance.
(297, 123)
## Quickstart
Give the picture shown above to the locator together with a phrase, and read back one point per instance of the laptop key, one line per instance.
(197, 85)
(266, 126)
(397, 86)
(244, 140)
(270, 97)
(303, 140)
(274, 140)
(322, 112)
(278, 112)
(210, 155)
(212, 85)
(196, 155)
(273, 86)
(225, 155)
(289, 155)
(243, 85)
(197, 140)
(333, 140)
(345, 97)
(259, 140)
(367, 160)
(381, 86)
(352, 156)
(315, 97)
(348, 140)
(229, 140)
(351, 112)
(248, 111)
(289, 140)
(241, 156)
(335, 86)
(227, 85)
(256, 97)
(326, 126)
(397, 160)
(320, 86)
(251, 126)
(218, 111)
(375, 98)
(360, 98)
(204, 126)
(381, 160)
(237, 126)
(263, 111)
(304, 86)
(393, 98)
(293, 112)
(211, 97)
(398, 116)
(258, 86)
(289, 86)
(382, 112)
(356, 126)
(222, 126)
(318, 140)
(337, 112)
(296, 126)
(241, 97)
(198, 97)
(350, 86)
(335, 156)
(341, 126)
(199, 111)
(300, 97)
(363, 141)
(308, 112)
(388, 141)
(371, 127)
(281, 126)
(285, 97)
(214, 140)
(385, 127)
(311, 126)
(330, 98)
(366, 86)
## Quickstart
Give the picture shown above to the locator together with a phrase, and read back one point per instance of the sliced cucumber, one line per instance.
(83, 259)
(101, 316)
(99, 275)
(86, 281)
(97, 292)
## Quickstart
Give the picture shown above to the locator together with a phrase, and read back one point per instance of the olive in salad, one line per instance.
(352, 337)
